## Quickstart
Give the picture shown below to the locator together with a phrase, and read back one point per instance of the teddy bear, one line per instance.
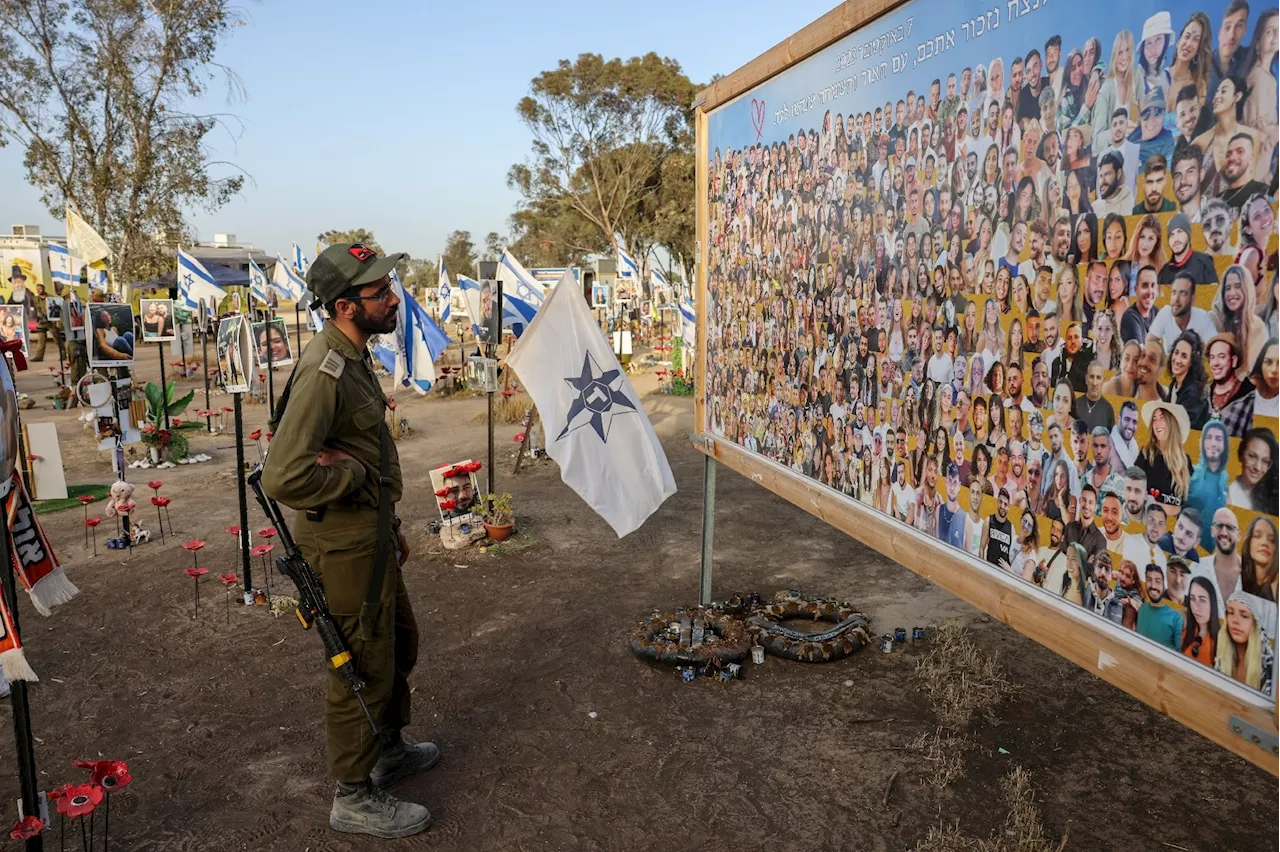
(121, 504)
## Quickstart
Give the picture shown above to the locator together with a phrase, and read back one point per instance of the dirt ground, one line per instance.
(221, 723)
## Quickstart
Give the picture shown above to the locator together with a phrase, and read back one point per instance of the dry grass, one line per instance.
(1022, 830)
(960, 680)
(506, 409)
(945, 753)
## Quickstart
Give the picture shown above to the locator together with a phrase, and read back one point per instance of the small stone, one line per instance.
(592, 714)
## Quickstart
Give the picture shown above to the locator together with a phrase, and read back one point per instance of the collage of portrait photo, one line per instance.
(1029, 308)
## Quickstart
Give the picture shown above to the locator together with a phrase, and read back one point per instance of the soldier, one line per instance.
(332, 460)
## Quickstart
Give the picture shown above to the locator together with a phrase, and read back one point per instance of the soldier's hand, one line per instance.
(403, 545)
(330, 455)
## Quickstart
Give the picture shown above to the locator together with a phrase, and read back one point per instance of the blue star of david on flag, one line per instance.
(597, 399)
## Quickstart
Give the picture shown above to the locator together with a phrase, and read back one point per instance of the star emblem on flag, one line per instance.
(599, 395)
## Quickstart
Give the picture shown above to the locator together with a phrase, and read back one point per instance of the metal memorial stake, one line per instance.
(164, 384)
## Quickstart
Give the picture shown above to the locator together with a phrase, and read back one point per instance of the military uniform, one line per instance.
(336, 402)
(333, 403)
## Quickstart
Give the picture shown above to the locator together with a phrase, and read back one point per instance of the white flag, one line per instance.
(83, 241)
(596, 428)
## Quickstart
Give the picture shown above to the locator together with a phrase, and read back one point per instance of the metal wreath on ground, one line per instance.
(851, 630)
(726, 639)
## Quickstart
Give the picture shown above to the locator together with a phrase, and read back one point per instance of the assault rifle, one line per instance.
(313, 608)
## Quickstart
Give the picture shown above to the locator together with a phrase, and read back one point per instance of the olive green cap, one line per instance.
(345, 265)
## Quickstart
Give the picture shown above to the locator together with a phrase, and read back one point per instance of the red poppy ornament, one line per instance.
(177, 421)
(449, 505)
(255, 434)
(195, 574)
(233, 530)
(26, 828)
(229, 582)
(443, 492)
(262, 549)
(86, 499)
(110, 775)
(79, 800)
(193, 547)
(474, 466)
(519, 438)
(155, 485)
(269, 532)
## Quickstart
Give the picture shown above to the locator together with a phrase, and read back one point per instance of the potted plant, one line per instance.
(159, 440)
(499, 519)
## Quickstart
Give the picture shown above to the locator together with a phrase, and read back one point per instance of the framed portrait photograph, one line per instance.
(235, 354)
(157, 320)
(271, 343)
(73, 318)
(13, 324)
(111, 337)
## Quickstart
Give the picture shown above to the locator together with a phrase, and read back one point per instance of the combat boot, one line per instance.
(365, 808)
(400, 760)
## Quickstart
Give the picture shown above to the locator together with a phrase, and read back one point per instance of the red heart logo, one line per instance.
(757, 116)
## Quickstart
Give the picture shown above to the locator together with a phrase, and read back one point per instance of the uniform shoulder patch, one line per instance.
(333, 364)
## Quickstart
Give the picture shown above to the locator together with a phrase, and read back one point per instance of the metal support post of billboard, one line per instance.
(708, 528)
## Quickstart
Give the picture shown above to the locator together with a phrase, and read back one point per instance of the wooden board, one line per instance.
(834, 25)
(47, 478)
(1179, 688)
(1195, 695)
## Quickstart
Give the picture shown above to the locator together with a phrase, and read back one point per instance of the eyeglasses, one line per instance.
(1231, 527)
(378, 296)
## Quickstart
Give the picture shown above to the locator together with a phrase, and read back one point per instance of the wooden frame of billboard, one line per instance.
(1200, 699)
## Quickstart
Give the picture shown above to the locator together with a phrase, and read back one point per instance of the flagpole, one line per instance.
(204, 366)
(271, 379)
(24, 742)
(164, 384)
(493, 354)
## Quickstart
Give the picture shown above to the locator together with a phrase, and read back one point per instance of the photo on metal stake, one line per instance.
(276, 337)
(111, 340)
(13, 324)
(235, 354)
(157, 320)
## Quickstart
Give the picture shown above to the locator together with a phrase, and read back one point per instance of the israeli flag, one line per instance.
(516, 312)
(688, 323)
(418, 342)
(61, 266)
(518, 282)
(258, 283)
(287, 283)
(444, 293)
(300, 262)
(195, 283)
(627, 266)
(603, 440)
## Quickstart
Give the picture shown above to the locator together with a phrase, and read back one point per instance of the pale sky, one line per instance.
(399, 116)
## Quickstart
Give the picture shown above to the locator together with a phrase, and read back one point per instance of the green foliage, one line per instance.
(608, 135)
(459, 254)
(355, 235)
(493, 246)
(161, 403)
(97, 93)
(677, 354)
(497, 510)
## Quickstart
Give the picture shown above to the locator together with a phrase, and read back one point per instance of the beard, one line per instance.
(373, 324)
